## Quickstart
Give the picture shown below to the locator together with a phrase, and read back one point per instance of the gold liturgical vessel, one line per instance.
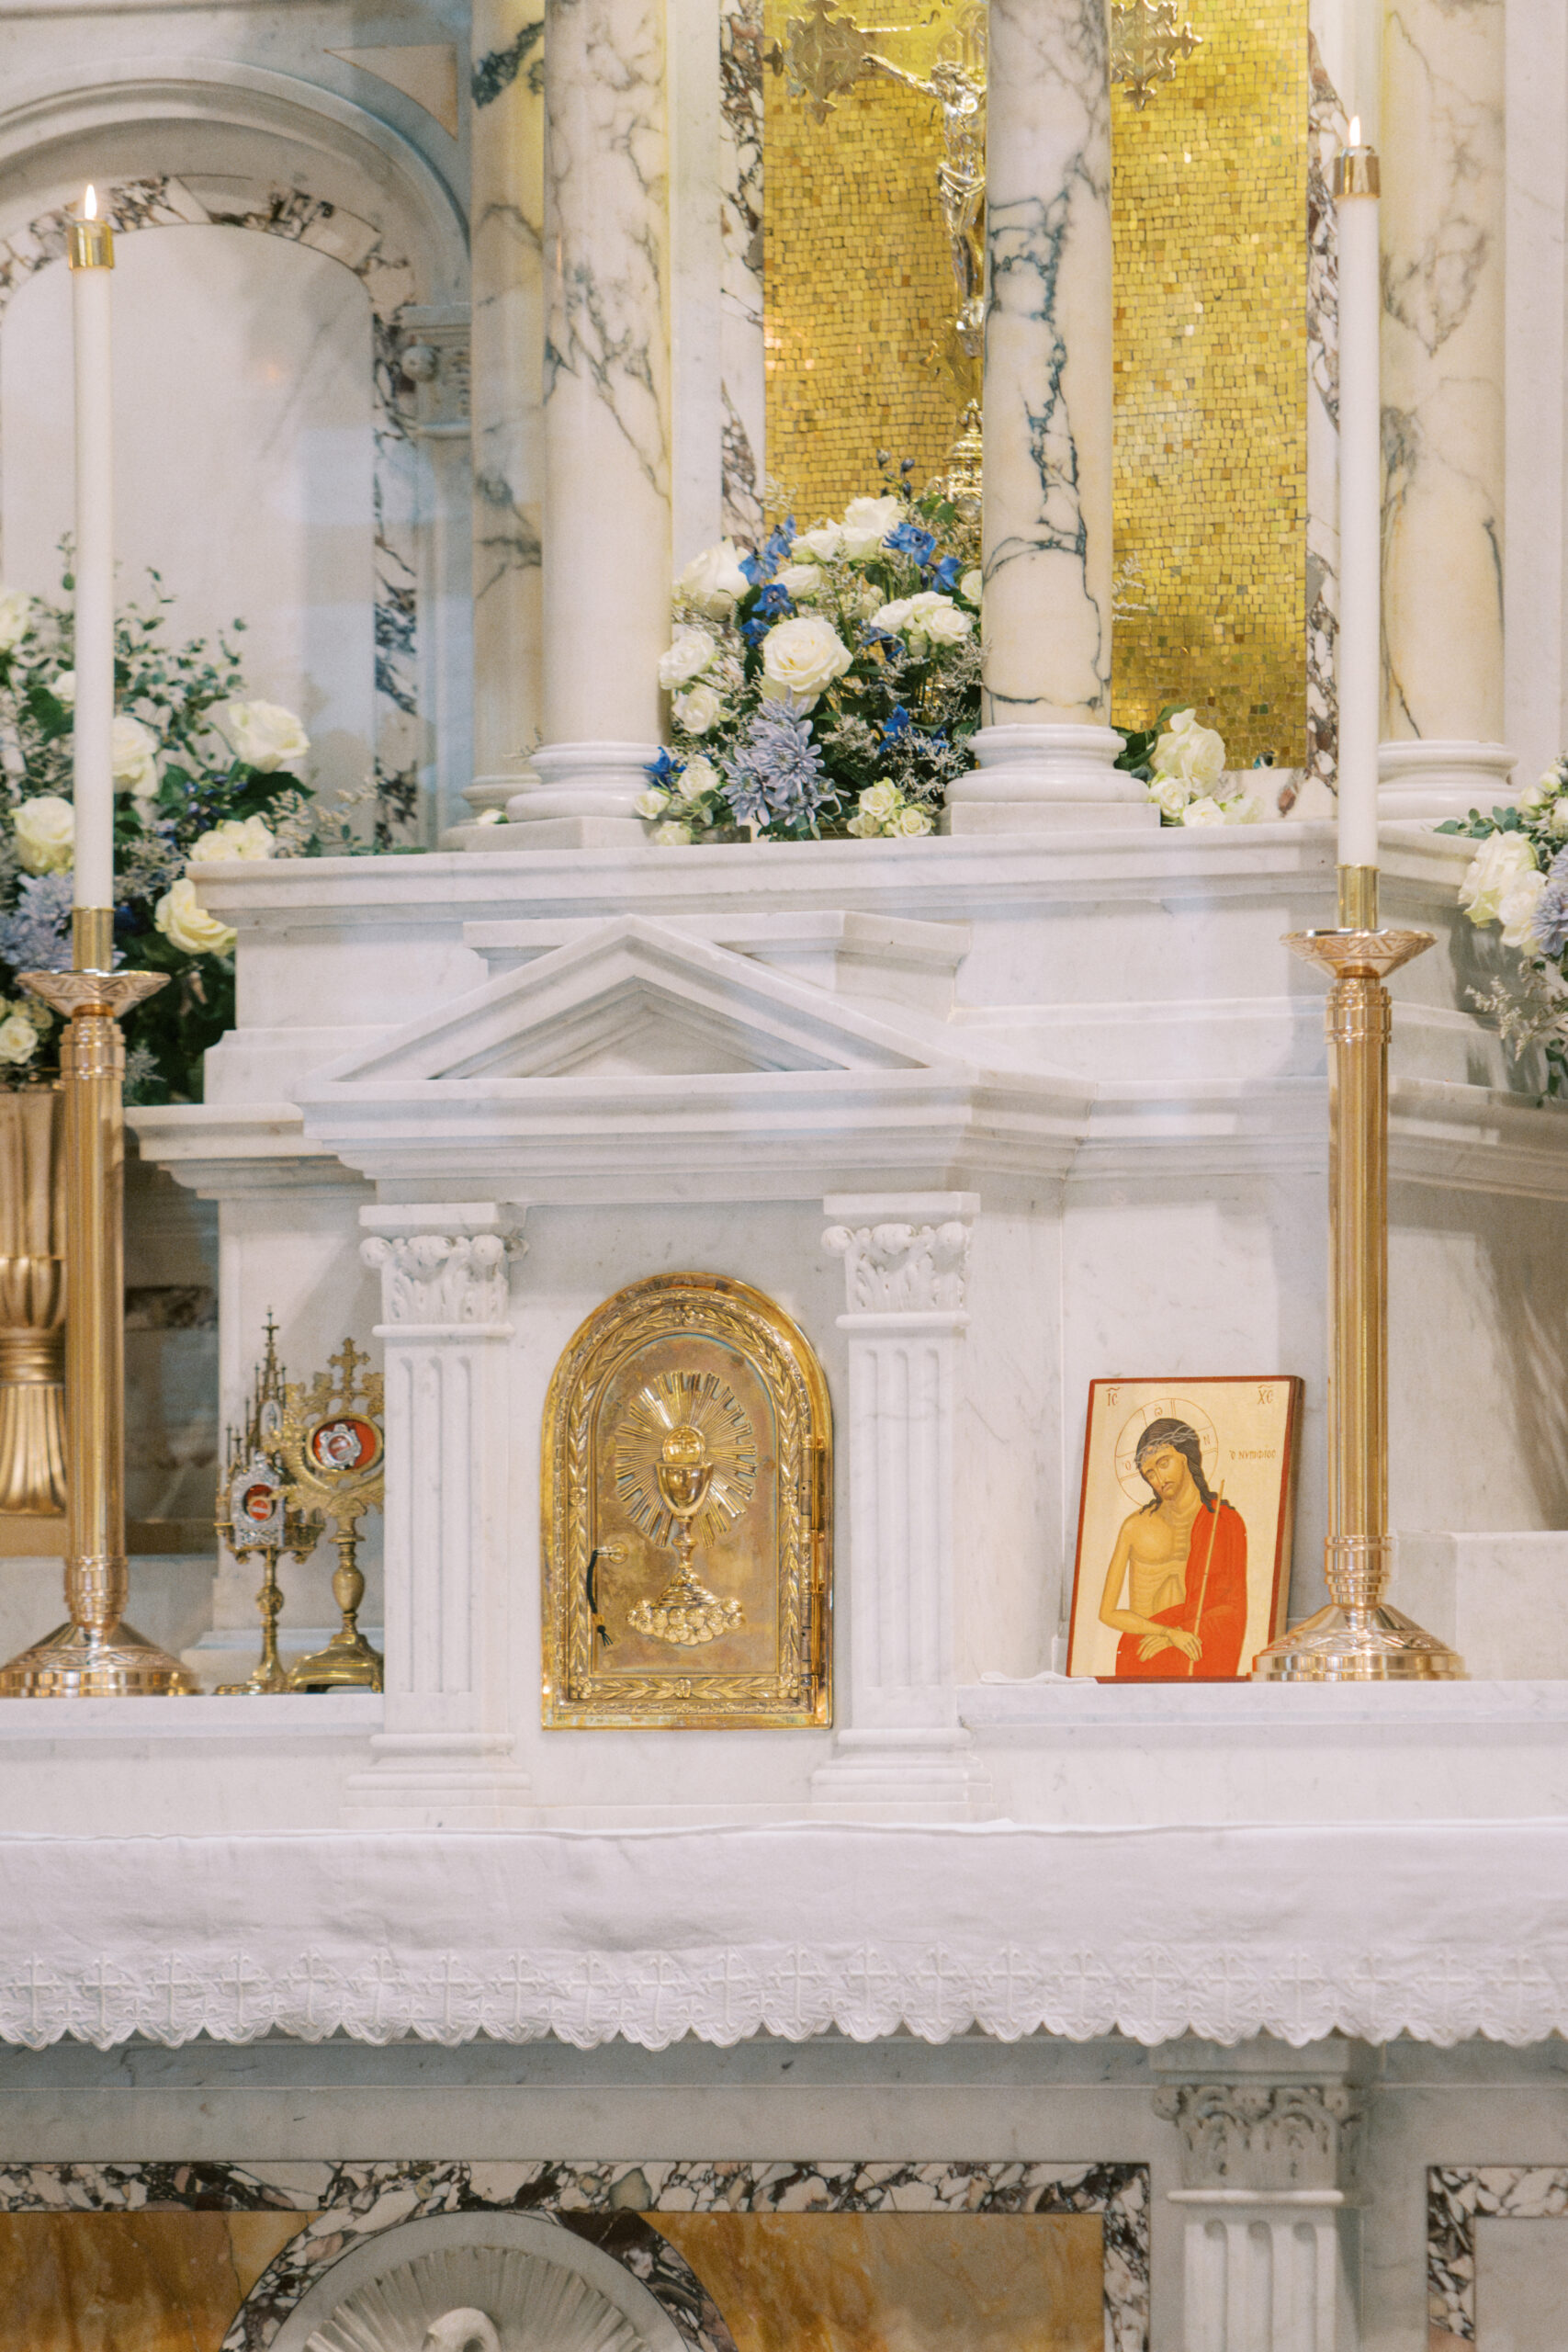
(254, 1517)
(1357, 1638)
(95, 1654)
(330, 1444)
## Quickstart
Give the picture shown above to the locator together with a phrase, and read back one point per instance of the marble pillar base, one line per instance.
(585, 797)
(914, 1775)
(439, 1780)
(1424, 781)
(1045, 779)
(495, 791)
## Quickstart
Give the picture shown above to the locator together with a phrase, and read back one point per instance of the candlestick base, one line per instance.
(78, 1662)
(1349, 1645)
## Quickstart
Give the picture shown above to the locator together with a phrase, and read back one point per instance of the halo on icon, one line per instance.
(1134, 1485)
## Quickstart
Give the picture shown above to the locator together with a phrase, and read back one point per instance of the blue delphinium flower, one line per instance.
(663, 771)
(777, 772)
(895, 724)
(774, 603)
(945, 575)
(37, 936)
(1550, 922)
(909, 539)
(774, 550)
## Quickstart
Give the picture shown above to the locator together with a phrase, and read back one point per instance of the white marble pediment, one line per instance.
(636, 998)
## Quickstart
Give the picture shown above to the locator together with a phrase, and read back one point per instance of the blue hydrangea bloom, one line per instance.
(1550, 922)
(777, 772)
(37, 936)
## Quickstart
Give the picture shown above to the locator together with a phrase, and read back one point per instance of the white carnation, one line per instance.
(1496, 865)
(697, 710)
(801, 657)
(714, 580)
(263, 734)
(185, 923)
(689, 655)
(45, 834)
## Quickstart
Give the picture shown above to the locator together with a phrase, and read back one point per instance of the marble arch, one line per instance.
(243, 148)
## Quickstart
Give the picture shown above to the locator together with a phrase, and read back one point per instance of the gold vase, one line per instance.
(32, 1303)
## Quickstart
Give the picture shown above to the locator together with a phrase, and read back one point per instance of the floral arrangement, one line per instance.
(1183, 765)
(827, 683)
(200, 772)
(1518, 879)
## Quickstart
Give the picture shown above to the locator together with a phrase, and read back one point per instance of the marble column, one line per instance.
(1266, 2140)
(1443, 210)
(607, 429)
(443, 1760)
(902, 1752)
(1046, 748)
(508, 276)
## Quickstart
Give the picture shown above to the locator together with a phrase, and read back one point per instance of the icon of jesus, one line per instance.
(1182, 1559)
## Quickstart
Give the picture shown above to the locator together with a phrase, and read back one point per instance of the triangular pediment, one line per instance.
(637, 998)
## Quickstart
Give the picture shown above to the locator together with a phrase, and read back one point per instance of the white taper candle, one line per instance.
(92, 265)
(1360, 501)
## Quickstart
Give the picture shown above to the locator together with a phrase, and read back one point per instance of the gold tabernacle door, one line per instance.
(688, 1498)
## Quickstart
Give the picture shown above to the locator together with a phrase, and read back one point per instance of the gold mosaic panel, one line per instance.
(1209, 196)
(858, 280)
(1210, 229)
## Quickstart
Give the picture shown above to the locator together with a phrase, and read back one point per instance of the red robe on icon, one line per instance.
(1213, 1607)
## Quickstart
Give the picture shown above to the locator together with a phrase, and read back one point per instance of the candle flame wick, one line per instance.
(90, 203)
(1355, 140)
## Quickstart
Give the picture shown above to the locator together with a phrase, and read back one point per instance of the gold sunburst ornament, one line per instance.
(685, 1464)
(1146, 42)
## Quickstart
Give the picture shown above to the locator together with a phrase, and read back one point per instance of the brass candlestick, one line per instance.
(1357, 1638)
(95, 1654)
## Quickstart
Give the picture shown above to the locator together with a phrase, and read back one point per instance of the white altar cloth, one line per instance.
(1440, 1930)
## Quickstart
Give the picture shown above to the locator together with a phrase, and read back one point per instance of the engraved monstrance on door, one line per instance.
(687, 1502)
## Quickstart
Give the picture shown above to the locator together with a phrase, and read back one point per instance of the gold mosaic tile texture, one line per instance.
(1209, 215)
(1209, 195)
(858, 284)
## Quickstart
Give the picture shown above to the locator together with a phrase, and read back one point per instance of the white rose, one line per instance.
(1539, 795)
(263, 734)
(185, 922)
(864, 829)
(697, 710)
(652, 804)
(1558, 821)
(689, 655)
(912, 820)
(823, 543)
(1196, 754)
(1169, 794)
(15, 609)
(867, 523)
(714, 580)
(18, 1038)
(65, 689)
(699, 778)
(893, 617)
(234, 837)
(45, 834)
(1499, 862)
(673, 836)
(134, 750)
(801, 657)
(1203, 811)
(1244, 810)
(880, 800)
(801, 581)
(971, 585)
(1515, 910)
(938, 619)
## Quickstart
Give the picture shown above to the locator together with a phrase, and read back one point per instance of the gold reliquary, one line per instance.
(688, 1484)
